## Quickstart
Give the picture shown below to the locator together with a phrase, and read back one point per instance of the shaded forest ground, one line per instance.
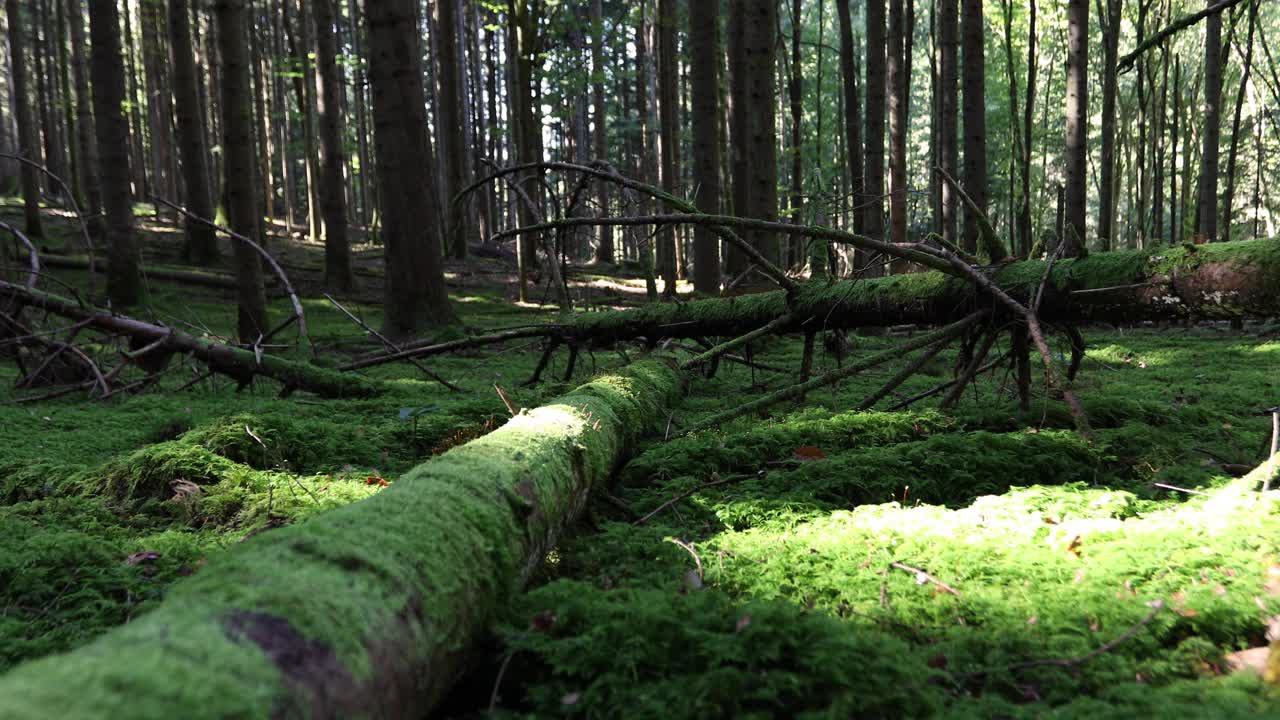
(768, 588)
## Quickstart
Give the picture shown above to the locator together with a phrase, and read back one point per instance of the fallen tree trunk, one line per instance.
(367, 610)
(209, 279)
(161, 341)
(1215, 281)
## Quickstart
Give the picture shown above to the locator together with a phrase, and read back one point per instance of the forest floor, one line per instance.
(815, 561)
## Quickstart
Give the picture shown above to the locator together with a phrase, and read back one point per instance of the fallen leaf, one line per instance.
(1073, 547)
(1033, 620)
(375, 480)
(744, 622)
(144, 556)
(571, 698)
(1186, 612)
(809, 453)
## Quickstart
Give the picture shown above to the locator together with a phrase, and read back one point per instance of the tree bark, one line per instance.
(243, 213)
(1207, 227)
(1228, 197)
(416, 297)
(949, 133)
(973, 38)
(201, 246)
(1028, 114)
(604, 240)
(28, 144)
(333, 202)
(124, 282)
(371, 608)
(898, 82)
(451, 114)
(872, 200)
(1077, 126)
(668, 94)
(704, 45)
(1107, 186)
(795, 96)
(87, 165)
(159, 104)
(526, 127)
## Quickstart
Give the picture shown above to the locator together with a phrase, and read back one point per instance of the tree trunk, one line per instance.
(243, 214)
(333, 202)
(159, 105)
(526, 127)
(1107, 185)
(949, 133)
(28, 143)
(795, 96)
(371, 608)
(416, 297)
(735, 260)
(137, 134)
(898, 83)
(1028, 113)
(305, 84)
(1228, 198)
(1207, 227)
(1077, 126)
(87, 165)
(451, 116)
(973, 36)
(704, 45)
(1175, 222)
(872, 200)
(124, 282)
(201, 247)
(668, 93)
(852, 114)
(604, 240)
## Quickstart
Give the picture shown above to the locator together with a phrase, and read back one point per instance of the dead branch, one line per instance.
(1186, 21)
(766, 329)
(75, 207)
(32, 254)
(390, 345)
(971, 368)
(903, 375)
(923, 577)
(691, 491)
(830, 378)
(275, 266)
(996, 250)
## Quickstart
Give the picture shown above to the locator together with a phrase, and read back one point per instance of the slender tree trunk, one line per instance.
(159, 106)
(949, 134)
(261, 94)
(124, 286)
(852, 117)
(138, 130)
(1077, 126)
(201, 247)
(416, 297)
(973, 38)
(1175, 222)
(1228, 198)
(1028, 112)
(668, 92)
(525, 123)
(1106, 191)
(28, 142)
(333, 203)
(704, 37)
(451, 116)
(604, 240)
(362, 123)
(1207, 225)
(46, 94)
(1158, 143)
(65, 93)
(760, 22)
(872, 200)
(87, 166)
(898, 82)
(243, 214)
(795, 94)
(735, 260)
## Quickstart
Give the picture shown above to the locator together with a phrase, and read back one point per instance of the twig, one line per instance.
(75, 207)
(687, 493)
(1156, 607)
(275, 266)
(390, 345)
(690, 550)
(506, 400)
(766, 329)
(32, 253)
(1175, 487)
(945, 333)
(995, 249)
(971, 369)
(914, 367)
(934, 391)
(922, 577)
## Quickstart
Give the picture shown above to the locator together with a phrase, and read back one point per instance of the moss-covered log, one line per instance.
(367, 610)
(1215, 281)
(233, 361)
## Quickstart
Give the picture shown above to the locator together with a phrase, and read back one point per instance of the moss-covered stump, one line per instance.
(1215, 281)
(367, 610)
